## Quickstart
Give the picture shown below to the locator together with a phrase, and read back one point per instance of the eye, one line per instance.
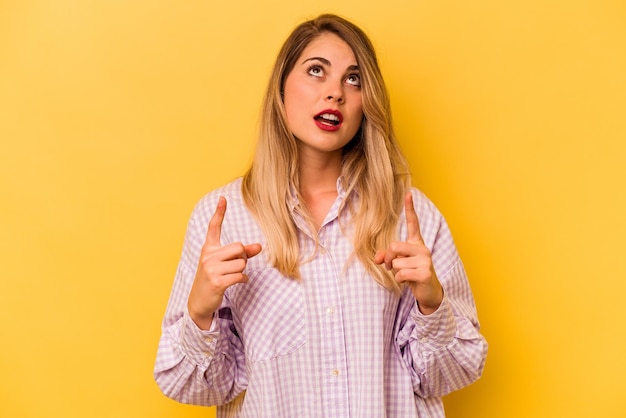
(353, 79)
(315, 70)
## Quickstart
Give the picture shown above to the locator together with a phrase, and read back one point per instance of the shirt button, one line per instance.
(208, 339)
(424, 339)
(322, 251)
(330, 310)
(335, 372)
(207, 354)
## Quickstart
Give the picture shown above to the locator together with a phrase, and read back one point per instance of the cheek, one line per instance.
(358, 116)
(294, 94)
(357, 107)
(360, 112)
(356, 100)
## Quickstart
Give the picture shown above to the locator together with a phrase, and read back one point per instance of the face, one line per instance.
(322, 96)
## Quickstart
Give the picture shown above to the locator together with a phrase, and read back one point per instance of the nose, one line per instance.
(335, 93)
(338, 98)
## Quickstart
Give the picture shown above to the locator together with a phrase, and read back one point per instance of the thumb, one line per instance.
(379, 257)
(252, 249)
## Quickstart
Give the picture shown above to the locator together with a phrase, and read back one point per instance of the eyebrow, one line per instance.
(326, 62)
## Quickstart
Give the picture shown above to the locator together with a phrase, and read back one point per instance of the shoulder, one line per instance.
(420, 200)
(239, 224)
(430, 218)
(435, 232)
(230, 191)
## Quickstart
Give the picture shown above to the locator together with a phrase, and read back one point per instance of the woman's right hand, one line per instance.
(218, 268)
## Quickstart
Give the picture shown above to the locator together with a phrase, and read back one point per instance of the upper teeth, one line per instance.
(330, 116)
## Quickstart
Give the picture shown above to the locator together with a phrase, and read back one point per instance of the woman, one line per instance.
(310, 288)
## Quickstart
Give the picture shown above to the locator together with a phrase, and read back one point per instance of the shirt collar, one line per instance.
(293, 201)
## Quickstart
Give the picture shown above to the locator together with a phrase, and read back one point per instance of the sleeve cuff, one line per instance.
(199, 345)
(436, 330)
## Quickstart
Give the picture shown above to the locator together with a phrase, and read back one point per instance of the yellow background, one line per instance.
(116, 116)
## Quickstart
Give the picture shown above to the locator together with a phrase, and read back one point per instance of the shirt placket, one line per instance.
(325, 273)
(334, 364)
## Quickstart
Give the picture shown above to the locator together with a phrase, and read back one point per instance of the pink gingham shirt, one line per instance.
(334, 344)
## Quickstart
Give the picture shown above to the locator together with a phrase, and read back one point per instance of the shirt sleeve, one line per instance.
(445, 350)
(192, 365)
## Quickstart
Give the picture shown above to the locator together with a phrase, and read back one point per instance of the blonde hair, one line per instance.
(373, 164)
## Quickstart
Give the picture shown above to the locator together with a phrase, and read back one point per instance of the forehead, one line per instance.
(329, 46)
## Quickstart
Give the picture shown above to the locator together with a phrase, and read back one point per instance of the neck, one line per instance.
(318, 185)
(319, 175)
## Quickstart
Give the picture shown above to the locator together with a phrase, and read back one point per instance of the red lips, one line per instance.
(329, 120)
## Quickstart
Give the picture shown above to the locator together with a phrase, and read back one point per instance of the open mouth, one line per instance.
(329, 119)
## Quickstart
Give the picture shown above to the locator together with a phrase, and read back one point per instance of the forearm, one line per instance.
(445, 349)
(447, 354)
(193, 366)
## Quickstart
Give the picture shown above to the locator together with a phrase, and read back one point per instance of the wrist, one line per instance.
(202, 318)
(202, 321)
(427, 310)
(427, 307)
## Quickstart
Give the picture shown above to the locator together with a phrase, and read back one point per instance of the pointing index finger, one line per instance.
(214, 231)
(412, 222)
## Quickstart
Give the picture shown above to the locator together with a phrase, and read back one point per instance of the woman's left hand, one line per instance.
(412, 263)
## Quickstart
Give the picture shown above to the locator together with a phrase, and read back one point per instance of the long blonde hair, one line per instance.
(373, 164)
